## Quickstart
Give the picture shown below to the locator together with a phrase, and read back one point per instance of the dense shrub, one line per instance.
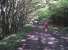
(57, 13)
(11, 42)
(27, 29)
(43, 13)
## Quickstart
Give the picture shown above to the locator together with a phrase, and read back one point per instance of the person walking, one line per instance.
(45, 26)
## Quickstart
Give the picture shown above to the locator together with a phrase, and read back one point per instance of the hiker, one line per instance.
(45, 26)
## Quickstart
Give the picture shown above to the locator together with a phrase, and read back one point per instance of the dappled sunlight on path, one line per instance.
(39, 39)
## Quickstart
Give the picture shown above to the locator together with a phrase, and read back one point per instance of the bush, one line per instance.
(65, 29)
(57, 13)
(27, 29)
(11, 42)
(43, 14)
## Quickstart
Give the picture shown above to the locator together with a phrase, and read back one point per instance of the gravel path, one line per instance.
(41, 40)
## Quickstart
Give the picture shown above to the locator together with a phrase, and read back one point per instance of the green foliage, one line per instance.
(57, 12)
(11, 42)
(54, 29)
(43, 13)
(27, 29)
(60, 13)
(65, 29)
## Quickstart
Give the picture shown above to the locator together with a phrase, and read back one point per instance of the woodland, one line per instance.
(22, 25)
